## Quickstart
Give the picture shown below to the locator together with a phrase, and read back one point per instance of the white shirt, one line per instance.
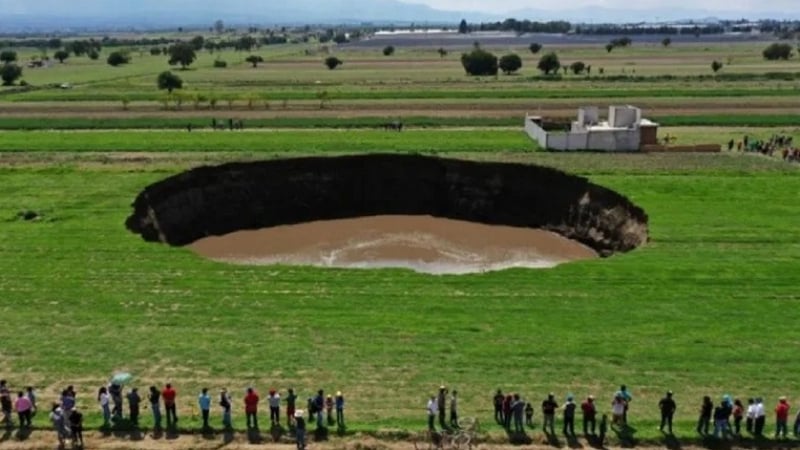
(275, 401)
(760, 410)
(751, 411)
(103, 399)
(433, 407)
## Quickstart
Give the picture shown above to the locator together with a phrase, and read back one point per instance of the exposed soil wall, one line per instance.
(209, 201)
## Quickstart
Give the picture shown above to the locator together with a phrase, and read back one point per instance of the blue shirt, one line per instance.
(339, 402)
(205, 402)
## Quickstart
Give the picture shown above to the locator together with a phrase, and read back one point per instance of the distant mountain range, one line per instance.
(38, 15)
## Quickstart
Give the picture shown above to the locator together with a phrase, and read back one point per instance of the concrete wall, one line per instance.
(614, 140)
(536, 132)
(623, 116)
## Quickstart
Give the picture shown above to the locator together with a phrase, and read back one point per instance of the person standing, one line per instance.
(274, 401)
(329, 409)
(441, 406)
(667, 407)
(300, 429)
(134, 400)
(225, 403)
(104, 400)
(155, 406)
(569, 417)
(589, 416)
(115, 391)
(751, 415)
(24, 410)
(204, 403)
(59, 425)
(5, 403)
(781, 418)
(291, 407)
(626, 398)
(169, 394)
(67, 402)
(705, 416)
(721, 421)
(618, 410)
(251, 400)
(507, 401)
(738, 414)
(32, 397)
(498, 407)
(454, 409)
(549, 407)
(339, 409)
(518, 410)
(529, 414)
(319, 406)
(761, 417)
(432, 410)
(76, 426)
(603, 428)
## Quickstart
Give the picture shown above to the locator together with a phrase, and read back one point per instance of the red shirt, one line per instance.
(169, 396)
(589, 409)
(251, 402)
(782, 411)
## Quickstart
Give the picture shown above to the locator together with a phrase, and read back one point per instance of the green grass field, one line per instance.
(706, 308)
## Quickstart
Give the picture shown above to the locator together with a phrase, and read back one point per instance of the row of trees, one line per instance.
(9, 72)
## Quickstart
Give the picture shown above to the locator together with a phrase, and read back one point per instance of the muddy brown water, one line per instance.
(421, 243)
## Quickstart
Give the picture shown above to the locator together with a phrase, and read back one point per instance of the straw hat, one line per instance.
(298, 413)
(338, 393)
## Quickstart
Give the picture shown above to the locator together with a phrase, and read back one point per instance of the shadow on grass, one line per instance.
(573, 442)
(625, 435)
(321, 434)
(254, 436)
(518, 438)
(671, 442)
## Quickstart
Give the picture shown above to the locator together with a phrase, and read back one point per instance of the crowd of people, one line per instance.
(67, 419)
(726, 416)
(778, 144)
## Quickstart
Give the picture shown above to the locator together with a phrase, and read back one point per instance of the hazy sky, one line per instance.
(510, 5)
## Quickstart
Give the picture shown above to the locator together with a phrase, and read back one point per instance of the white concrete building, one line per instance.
(624, 131)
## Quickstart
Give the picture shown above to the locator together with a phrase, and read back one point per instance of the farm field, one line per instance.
(706, 308)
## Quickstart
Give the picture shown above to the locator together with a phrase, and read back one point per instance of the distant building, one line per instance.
(624, 131)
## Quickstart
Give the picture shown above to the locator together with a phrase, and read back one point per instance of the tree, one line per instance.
(340, 38)
(182, 53)
(716, 66)
(333, 62)
(155, 51)
(535, 47)
(666, 42)
(220, 64)
(578, 67)
(54, 43)
(254, 60)
(388, 50)
(169, 81)
(479, 62)
(8, 56)
(463, 28)
(245, 43)
(609, 47)
(117, 59)
(61, 55)
(197, 42)
(510, 63)
(10, 73)
(442, 52)
(219, 26)
(549, 63)
(778, 51)
(94, 55)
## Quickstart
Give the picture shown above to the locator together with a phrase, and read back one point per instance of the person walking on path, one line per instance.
(761, 417)
(589, 416)
(781, 418)
(274, 401)
(667, 406)
(204, 403)
(225, 404)
(169, 394)
(155, 406)
(498, 407)
(442, 405)
(133, 406)
(300, 429)
(569, 417)
(705, 416)
(432, 410)
(549, 407)
(339, 409)
(291, 407)
(454, 409)
(251, 400)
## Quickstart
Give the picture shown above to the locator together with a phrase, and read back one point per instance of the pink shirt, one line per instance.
(23, 404)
